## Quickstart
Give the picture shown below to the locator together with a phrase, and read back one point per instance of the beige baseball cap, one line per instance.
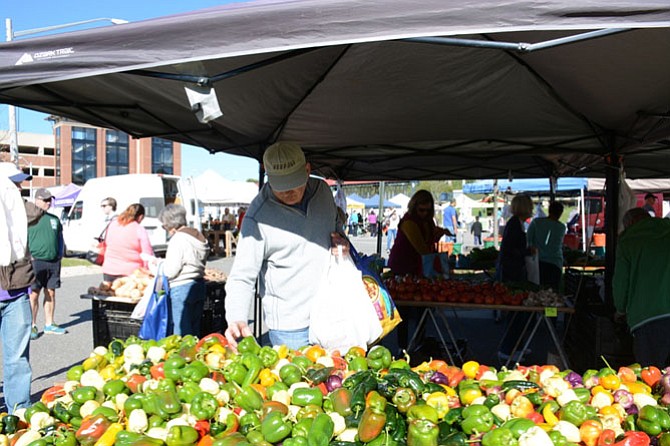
(284, 164)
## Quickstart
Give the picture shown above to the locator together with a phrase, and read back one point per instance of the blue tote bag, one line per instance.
(155, 323)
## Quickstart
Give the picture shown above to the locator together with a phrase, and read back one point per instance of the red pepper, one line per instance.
(157, 371)
(91, 429)
(52, 393)
(634, 438)
(202, 426)
(212, 338)
(608, 437)
(650, 375)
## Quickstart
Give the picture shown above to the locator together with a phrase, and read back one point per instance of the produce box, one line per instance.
(111, 316)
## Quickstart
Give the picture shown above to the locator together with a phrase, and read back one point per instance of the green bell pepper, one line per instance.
(518, 426)
(301, 428)
(358, 364)
(181, 436)
(235, 372)
(60, 412)
(379, 357)
(302, 361)
(10, 424)
(290, 374)
(74, 373)
(268, 356)
(84, 393)
(274, 388)
(477, 418)
(302, 396)
(422, 433)
(204, 406)
(233, 439)
(187, 391)
(173, 367)
(195, 371)
(308, 411)
(574, 412)
(133, 402)
(558, 438)
(422, 412)
(64, 436)
(295, 441)
(652, 420)
(455, 439)
(248, 345)
(275, 427)
(249, 399)
(321, 430)
(165, 404)
(583, 394)
(114, 387)
(32, 410)
(384, 439)
(404, 398)
(126, 438)
(248, 422)
(106, 412)
(499, 437)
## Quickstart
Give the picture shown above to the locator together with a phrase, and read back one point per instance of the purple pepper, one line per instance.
(575, 379)
(439, 378)
(333, 382)
(624, 398)
(665, 382)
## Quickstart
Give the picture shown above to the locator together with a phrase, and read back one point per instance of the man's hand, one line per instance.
(235, 331)
(336, 239)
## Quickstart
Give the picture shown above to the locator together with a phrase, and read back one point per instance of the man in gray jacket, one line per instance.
(286, 240)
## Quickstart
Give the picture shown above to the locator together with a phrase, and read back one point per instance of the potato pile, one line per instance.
(130, 286)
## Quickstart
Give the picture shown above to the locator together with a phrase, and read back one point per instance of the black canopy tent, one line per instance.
(379, 89)
(382, 89)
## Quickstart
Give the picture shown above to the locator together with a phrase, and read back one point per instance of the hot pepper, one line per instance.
(181, 436)
(321, 430)
(10, 424)
(404, 398)
(634, 438)
(248, 345)
(253, 365)
(341, 401)
(60, 412)
(204, 406)
(275, 427)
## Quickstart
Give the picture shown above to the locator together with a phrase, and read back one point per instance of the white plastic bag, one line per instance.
(141, 306)
(342, 315)
(533, 269)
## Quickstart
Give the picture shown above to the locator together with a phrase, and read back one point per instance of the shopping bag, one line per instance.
(435, 265)
(96, 254)
(155, 322)
(342, 315)
(141, 306)
(533, 269)
(379, 296)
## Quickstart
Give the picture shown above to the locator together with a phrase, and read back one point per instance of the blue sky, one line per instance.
(31, 14)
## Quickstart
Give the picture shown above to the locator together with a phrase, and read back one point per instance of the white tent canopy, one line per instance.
(212, 188)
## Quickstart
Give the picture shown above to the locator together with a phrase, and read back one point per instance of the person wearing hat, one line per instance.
(45, 240)
(285, 242)
(16, 276)
(649, 201)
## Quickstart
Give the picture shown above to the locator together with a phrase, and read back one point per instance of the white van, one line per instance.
(85, 221)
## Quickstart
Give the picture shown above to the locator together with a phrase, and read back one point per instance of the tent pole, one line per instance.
(582, 203)
(612, 175)
(495, 214)
(382, 193)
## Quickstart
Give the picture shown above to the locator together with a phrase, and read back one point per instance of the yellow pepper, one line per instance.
(549, 416)
(267, 378)
(282, 350)
(440, 402)
(638, 387)
(470, 369)
(521, 407)
(109, 436)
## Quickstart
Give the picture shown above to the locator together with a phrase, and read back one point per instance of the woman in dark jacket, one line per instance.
(514, 248)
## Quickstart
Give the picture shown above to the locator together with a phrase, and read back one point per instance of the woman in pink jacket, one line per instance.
(126, 240)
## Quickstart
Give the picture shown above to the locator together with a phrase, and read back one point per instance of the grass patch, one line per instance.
(74, 261)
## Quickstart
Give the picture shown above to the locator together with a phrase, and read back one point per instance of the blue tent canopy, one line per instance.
(373, 202)
(529, 185)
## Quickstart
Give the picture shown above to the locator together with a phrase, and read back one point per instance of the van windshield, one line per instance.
(152, 206)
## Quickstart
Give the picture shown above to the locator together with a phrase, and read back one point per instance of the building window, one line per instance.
(116, 149)
(161, 156)
(83, 154)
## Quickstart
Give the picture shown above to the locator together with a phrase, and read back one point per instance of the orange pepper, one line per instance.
(521, 407)
(626, 375)
(314, 352)
(610, 382)
(589, 432)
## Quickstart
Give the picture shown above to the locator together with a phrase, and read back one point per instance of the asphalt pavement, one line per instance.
(52, 355)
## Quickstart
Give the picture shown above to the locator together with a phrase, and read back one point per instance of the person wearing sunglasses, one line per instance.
(108, 206)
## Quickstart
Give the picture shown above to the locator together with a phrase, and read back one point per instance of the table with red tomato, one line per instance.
(538, 315)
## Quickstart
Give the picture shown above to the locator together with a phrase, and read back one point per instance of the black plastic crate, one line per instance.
(112, 320)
